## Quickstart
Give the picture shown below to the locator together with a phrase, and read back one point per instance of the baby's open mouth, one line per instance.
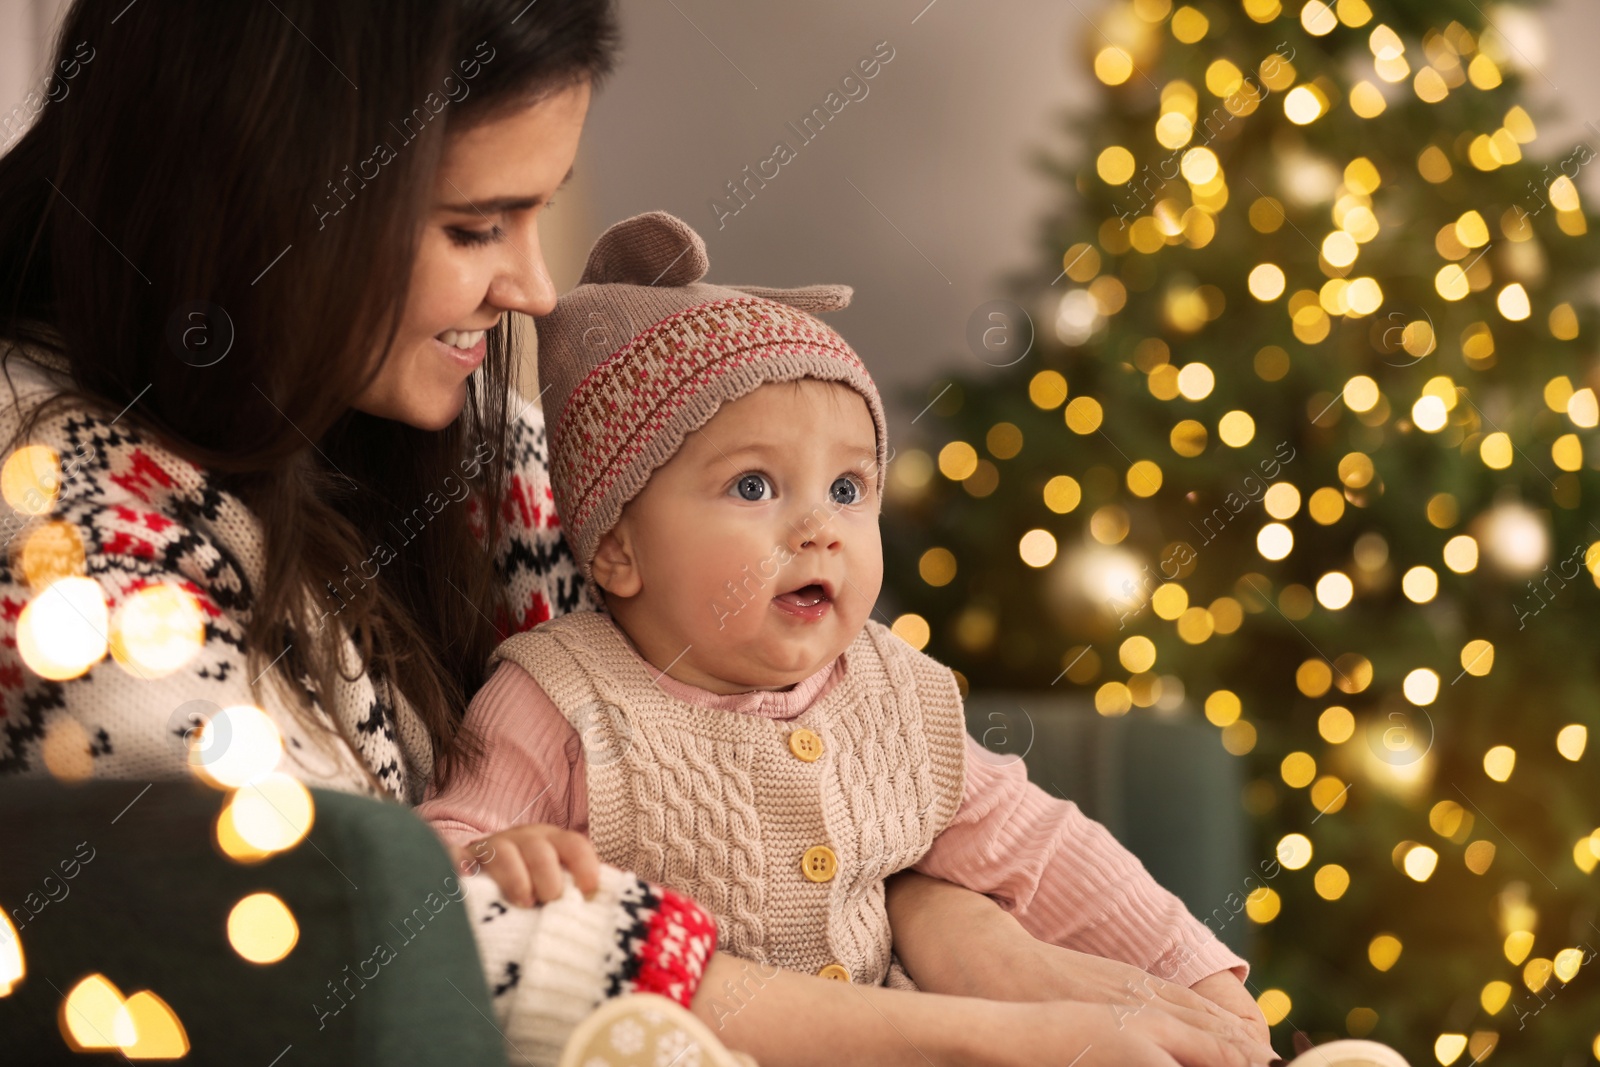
(807, 596)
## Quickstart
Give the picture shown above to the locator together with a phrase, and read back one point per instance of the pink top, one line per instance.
(1063, 875)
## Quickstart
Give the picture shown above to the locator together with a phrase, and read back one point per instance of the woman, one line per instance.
(258, 264)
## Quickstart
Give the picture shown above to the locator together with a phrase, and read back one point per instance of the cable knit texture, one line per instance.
(143, 516)
(1064, 876)
(718, 806)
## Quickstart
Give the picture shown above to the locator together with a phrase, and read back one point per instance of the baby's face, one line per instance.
(753, 555)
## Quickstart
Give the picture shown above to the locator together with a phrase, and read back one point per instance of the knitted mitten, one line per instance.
(549, 967)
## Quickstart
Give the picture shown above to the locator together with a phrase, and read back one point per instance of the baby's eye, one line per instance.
(752, 486)
(845, 491)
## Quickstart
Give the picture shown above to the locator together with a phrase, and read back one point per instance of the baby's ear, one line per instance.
(614, 567)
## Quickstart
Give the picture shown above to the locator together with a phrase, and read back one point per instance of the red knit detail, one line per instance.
(538, 611)
(142, 474)
(681, 939)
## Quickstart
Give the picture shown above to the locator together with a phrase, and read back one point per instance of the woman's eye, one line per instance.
(471, 238)
(752, 486)
(845, 491)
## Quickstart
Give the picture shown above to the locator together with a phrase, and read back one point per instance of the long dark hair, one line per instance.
(194, 162)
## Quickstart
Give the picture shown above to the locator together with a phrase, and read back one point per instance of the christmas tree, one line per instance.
(1300, 435)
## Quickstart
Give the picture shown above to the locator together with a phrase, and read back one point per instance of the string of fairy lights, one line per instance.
(1508, 536)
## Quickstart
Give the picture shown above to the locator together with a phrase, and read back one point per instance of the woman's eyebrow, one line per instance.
(500, 204)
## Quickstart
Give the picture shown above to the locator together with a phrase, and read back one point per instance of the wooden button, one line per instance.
(806, 745)
(835, 972)
(819, 864)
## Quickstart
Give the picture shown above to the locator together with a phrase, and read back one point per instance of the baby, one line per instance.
(733, 723)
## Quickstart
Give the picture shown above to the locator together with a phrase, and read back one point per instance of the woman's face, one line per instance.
(478, 256)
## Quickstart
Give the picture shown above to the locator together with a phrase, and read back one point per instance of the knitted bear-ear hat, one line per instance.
(642, 353)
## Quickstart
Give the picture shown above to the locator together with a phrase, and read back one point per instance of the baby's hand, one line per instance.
(526, 862)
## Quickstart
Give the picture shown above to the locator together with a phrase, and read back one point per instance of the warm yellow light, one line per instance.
(1274, 1005)
(1236, 429)
(1195, 381)
(88, 1014)
(1189, 25)
(1047, 389)
(1334, 590)
(261, 928)
(1223, 78)
(1281, 501)
(1383, 951)
(1567, 452)
(1144, 478)
(1513, 302)
(1263, 905)
(239, 745)
(1477, 657)
(1223, 708)
(1294, 851)
(1303, 105)
(1331, 881)
(1137, 654)
(911, 628)
(1037, 547)
(1420, 863)
(1113, 699)
(269, 816)
(1199, 166)
(1298, 769)
(1062, 494)
(1275, 541)
(1267, 282)
(1447, 1048)
(1583, 409)
(146, 1028)
(1420, 584)
(1361, 393)
(1495, 450)
(957, 461)
(1499, 762)
(61, 633)
(1112, 65)
(1318, 18)
(157, 631)
(13, 964)
(1083, 415)
(1429, 85)
(1429, 414)
(1340, 249)
(1366, 100)
(1115, 165)
(1517, 945)
(31, 479)
(1563, 194)
(1188, 437)
(1494, 996)
(1451, 282)
(1570, 742)
(1174, 129)
(1421, 686)
(1336, 725)
(1365, 296)
(937, 567)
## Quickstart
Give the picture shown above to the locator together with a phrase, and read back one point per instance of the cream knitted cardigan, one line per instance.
(144, 516)
(720, 806)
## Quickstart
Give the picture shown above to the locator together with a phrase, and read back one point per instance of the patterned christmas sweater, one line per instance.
(131, 514)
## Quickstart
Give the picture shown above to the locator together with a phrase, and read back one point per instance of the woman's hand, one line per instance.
(527, 861)
(997, 959)
(772, 1014)
(1225, 989)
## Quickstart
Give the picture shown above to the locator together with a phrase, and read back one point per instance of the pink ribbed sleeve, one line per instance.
(1065, 878)
(532, 769)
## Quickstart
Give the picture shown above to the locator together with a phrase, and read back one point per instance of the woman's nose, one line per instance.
(523, 282)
